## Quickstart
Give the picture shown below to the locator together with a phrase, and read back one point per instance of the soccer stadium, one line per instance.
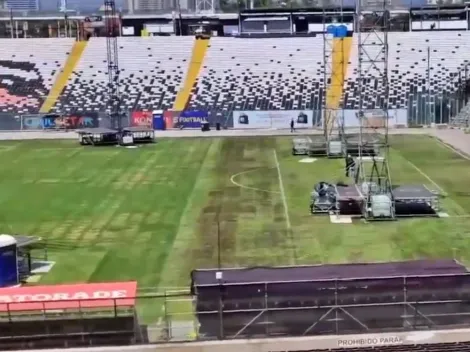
(264, 176)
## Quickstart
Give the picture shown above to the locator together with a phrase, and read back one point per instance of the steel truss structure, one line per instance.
(334, 77)
(410, 303)
(205, 6)
(372, 172)
(112, 34)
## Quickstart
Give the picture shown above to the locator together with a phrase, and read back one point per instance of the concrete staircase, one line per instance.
(462, 119)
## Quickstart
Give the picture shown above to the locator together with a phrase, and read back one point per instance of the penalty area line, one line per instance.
(283, 193)
(422, 173)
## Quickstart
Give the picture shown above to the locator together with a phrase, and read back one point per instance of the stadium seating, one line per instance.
(408, 67)
(152, 70)
(237, 74)
(28, 70)
(260, 74)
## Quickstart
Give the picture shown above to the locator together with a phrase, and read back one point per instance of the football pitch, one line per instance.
(154, 213)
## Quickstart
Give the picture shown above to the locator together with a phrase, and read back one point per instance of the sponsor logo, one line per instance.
(192, 119)
(57, 297)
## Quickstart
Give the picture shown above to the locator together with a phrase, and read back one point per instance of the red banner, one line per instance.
(141, 119)
(171, 117)
(76, 296)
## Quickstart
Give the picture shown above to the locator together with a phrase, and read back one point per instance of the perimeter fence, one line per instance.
(261, 309)
(422, 111)
(264, 310)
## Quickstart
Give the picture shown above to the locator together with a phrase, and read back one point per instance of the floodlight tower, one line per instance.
(334, 70)
(112, 33)
(372, 170)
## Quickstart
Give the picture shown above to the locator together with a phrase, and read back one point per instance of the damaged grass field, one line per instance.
(153, 213)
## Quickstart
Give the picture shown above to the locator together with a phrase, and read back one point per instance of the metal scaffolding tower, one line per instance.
(205, 6)
(111, 19)
(372, 171)
(334, 77)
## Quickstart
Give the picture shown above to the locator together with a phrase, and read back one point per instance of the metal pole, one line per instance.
(428, 84)
(180, 18)
(11, 23)
(219, 259)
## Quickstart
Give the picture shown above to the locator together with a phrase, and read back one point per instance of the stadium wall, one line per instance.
(275, 119)
(298, 344)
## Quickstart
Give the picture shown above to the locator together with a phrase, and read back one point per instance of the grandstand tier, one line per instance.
(28, 70)
(236, 74)
(151, 72)
(418, 65)
(260, 74)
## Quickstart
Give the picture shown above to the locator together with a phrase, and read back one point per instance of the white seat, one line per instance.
(260, 74)
(408, 68)
(152, 70)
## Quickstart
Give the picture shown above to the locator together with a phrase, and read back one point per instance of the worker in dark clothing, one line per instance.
(350, 165)
(292, 128)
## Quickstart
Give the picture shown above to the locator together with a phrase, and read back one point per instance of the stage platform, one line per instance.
(410, 201)
(98, 136)
(316, 145)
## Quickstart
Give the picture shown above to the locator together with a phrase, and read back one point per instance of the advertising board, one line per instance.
(141, 119)
(58, 122)
(192, 119)
(109, 294)
(272, 119)
(376, 118)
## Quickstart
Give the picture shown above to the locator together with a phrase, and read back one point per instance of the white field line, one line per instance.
(434, 183)
(8, 148)
(283, 193)
(233, 177)
(426, 176)
(456, 151)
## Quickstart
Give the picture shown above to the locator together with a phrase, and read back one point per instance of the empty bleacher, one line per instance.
(410, 54)
(237, 74)
(152, 70)
(28, 69)
(260, 74)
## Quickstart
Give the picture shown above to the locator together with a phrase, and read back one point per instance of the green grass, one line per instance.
(151, 213)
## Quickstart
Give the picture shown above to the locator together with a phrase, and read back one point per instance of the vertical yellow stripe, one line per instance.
(340, 60)
(63, 77)
(197, 58)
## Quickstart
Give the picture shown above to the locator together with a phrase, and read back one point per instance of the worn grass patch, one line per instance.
(155, 213)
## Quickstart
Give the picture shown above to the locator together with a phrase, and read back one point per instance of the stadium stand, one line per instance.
(260, 74)
(28, 70)
(152, 71)
(225, 75)
(408, 64)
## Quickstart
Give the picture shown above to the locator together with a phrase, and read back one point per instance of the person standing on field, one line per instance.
(292, 128)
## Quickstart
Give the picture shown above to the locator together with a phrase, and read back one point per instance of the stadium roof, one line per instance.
(328, 272)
